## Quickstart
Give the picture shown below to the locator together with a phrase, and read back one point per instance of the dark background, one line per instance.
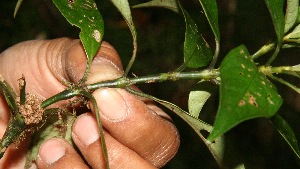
(161, 37)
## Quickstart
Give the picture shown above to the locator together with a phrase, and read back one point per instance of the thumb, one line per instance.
(106, 64)
(47, 63)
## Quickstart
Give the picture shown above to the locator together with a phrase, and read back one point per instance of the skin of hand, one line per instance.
(136, 134)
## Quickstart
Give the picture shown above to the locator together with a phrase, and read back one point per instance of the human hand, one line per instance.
(136, 135)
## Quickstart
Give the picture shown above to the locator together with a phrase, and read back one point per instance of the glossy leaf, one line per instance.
(168, 4)
(124, 8)
(196, 101)
(291, 14)
(197, 52)
(275, 8)
(286, 132)
(245, 93)
(85, 15)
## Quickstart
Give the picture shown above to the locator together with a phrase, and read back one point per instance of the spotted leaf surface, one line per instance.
(85, 15)
(197, 52)
(245, 93)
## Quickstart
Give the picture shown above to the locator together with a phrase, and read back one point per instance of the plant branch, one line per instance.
(171, 76)
(64, 95)
(290, 70)
(124, 82)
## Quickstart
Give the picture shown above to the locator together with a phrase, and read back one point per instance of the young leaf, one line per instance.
(245, 93)
(276, 11)
(124, 8)
(168, 4)
(291, 14)
(197, 52)
(196, 101)
(286, 132)
(85, 15)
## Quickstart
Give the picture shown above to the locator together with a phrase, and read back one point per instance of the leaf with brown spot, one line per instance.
(85, 15)
(245, 93)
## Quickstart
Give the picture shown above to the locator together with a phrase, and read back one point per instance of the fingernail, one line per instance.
(51, 151)
(102, 70)
(112, 104)
(85, 129)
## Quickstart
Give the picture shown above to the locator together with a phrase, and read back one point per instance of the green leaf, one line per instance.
(245, 93)
(85, 15)
(197, 52)
(124, 8)
(291, 14)
(275, 8)
(211, 11)
(294, 35)
(196, 101)
(168, 4)
(286, 132)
